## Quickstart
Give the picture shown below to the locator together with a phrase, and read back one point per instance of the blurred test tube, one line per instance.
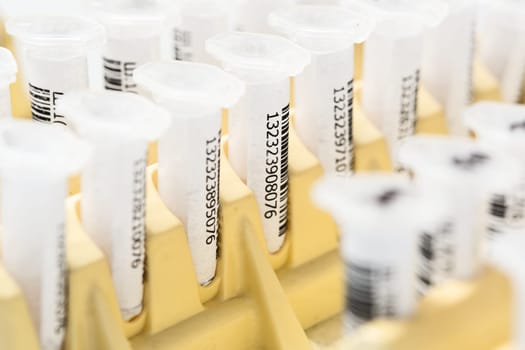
(502, 126)
(8, 70)
(190, 152)
(472, 177)
(380, 217)
(324, 90)
(448, 60)
(119, 126)
(259, 122)
(36, 164)
(55, 50)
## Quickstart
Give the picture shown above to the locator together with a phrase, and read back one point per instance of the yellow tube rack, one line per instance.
(289, 300)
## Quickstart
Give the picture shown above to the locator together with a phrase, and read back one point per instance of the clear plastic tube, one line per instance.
(193, 23)
(134, 32)
(8, 70)
(392, 62)
(324, 90)
(55, 52)
(36, 163)
(189, 153)
(471, 176)
(252, 16)
(448, 61)
(378, 241)
(502, 44)
(259, 122)
(119, 126)
(501, 126)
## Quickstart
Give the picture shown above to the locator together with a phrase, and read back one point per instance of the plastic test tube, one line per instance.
(502, 126)
(380, 217)
(36, 163)
(134, 32)
(324, 90)
(189, 153)
(259, 122)
(8, 70)
(507, 255)
(194, 23)
(502, 44)
(119, 126)
(392, 61)
(469, 175)
(55, 58)
(448, 61)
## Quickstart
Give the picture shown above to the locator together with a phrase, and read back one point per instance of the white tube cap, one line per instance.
(189, 84)
(8, 66)
(52, 32)
(320, 27)
(131, 19)
(114, 114)
(268, 54)
(500, 122)
(32, 148)
(428, 12)
(461, 161)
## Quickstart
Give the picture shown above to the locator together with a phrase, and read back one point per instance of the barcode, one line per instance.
(182, 45)
(350, 94)
(498, 206)
(43, 103)
(426, 249)
(368, 292)
(283, 215)
(118, 75)
(409, 98)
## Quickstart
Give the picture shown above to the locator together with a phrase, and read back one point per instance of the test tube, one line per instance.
(134, 31)
(36, 163)
(190, 152)
(507, 256)
(502, 44)
(259, 122)
(469, 174)
(448, 60)
(119, 126)
(392, 62)
(380, 218)
(324, 90)
(502, 126)
(8, 70)
(194, 23)
(55, 58)
(252, 16)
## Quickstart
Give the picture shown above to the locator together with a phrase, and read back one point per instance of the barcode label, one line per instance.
(343, 98)
(409, 99)
(506, 212)
(118, 75)
(285, 126)
(436, 257)
(43, 104)
(182, 41)
(368, 294)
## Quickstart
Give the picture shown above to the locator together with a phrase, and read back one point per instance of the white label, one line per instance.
(182, 44)
(118, 75)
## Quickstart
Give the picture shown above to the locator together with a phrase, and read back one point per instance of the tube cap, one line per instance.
(459, 160)
(114, 114)
(32, 148)
(8, 67)
(265, 53)
(47, 31)
(189, 84)
(317, 25)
